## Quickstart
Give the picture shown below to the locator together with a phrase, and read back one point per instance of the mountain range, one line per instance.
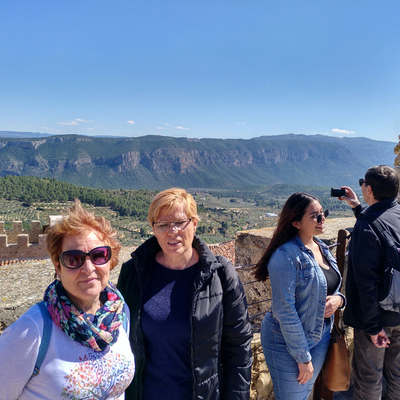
(158, 162)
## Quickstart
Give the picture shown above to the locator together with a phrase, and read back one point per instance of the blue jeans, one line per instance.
(283, 367)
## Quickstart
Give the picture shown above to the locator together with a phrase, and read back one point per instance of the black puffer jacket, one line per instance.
(221, 332)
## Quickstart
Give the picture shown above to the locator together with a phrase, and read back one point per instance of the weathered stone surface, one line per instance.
(20, 244)
(261, 383)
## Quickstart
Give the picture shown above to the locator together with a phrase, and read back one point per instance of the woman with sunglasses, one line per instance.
(305, 284)
(190, 333)
(88, 353)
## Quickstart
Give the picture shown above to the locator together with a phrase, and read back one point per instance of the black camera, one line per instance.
(338, 192)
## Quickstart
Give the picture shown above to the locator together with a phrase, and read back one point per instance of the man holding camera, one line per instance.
(376, 331)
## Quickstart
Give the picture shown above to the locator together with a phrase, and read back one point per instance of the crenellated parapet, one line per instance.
(20, 244)
(17, 229)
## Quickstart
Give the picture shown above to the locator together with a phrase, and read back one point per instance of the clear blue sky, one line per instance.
(201, 68)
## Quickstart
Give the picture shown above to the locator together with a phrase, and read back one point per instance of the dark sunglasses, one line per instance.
(73, 259)
(361, 181)
(319, 216)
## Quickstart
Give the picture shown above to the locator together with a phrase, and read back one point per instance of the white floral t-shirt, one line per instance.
(69, 370)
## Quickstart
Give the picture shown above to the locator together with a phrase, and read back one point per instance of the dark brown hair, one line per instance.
(292, 211)
(384, 182)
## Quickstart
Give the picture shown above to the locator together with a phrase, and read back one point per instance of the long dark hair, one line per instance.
(293, 210)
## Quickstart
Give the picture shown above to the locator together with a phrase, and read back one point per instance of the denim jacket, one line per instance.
(299, 291)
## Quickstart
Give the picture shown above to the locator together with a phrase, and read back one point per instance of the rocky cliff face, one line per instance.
(157, 162)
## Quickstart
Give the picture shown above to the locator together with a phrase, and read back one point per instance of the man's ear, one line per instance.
(370, 193)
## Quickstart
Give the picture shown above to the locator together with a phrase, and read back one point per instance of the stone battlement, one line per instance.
(20, 244)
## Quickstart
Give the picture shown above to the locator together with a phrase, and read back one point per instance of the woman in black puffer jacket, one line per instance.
(190, 330)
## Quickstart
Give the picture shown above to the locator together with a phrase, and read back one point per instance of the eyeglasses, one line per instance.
(73, 259)
(165, 226)
(361, 181)
(319, 216)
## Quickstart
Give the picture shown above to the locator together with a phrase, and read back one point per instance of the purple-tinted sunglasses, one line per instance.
(73, 259)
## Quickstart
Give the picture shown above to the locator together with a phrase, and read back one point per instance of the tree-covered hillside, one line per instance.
(29, 190)
(223, 213)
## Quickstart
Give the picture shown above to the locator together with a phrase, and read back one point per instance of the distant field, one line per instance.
(222, 214)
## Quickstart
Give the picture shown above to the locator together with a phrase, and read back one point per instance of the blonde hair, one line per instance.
(168, 200)
(79, 221)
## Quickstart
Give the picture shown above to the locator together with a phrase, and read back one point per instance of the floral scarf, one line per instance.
(97, 334)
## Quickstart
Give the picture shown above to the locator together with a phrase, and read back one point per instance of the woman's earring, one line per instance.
(58, 277)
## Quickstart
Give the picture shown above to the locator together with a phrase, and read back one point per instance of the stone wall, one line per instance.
(20, 244)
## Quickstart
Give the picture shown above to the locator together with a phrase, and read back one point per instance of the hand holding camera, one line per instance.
(347, 194)
(338, 192)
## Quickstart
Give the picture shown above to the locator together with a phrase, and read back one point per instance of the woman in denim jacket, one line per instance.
(305, 284)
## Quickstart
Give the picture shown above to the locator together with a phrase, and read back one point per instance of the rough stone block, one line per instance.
(3, 243)
(23, 241)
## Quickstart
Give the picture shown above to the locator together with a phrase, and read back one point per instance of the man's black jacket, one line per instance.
(366, 277)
